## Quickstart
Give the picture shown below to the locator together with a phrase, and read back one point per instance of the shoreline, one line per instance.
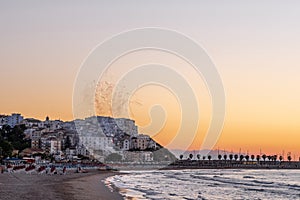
(77, 186)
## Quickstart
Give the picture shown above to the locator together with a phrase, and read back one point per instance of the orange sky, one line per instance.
(255, 49)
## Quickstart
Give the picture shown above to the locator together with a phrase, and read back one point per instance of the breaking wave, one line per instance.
(209, 184)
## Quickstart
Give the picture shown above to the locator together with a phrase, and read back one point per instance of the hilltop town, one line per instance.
(100, 138)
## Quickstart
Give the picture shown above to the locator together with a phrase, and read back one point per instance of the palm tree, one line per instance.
(269, 157)
(225, 157)
(289, 158)
(220, 156)
(280, 158)
(198, 156)
(204, 157)
(264, 157)
(209, 157)
(247, 157)
(241, 157)
(252, 157)
(230, 157)
(258, 158)
(191, 156)
(181, 156)
(236, 157)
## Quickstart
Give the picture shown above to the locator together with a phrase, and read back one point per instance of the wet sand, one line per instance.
(77, 186)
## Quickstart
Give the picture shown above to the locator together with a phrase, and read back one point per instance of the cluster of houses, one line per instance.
(11, 120)
(105, 135)
(94, 137)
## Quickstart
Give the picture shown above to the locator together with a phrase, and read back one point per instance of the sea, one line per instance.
(208, 184)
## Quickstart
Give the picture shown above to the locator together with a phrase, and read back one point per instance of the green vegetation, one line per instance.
(5, 148)
(12, 139)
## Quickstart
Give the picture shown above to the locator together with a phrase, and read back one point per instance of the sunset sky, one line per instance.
(255, 46)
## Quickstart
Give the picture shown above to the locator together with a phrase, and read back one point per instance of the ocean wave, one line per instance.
(249, 177)
(263, 182)
(255, 189)
(210, 184)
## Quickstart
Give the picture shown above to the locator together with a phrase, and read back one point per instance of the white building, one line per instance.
(148, 156)
(80, 149)
(14, 119)
(97, 142)
(31, 122)
(55, 146)
(126, 145)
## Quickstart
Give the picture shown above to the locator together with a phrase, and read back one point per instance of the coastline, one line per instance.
(78, 186)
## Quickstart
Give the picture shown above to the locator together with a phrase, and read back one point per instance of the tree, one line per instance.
(181, 156)
(252, 157)
(219, 156)
(241, 157)
(15, 137)
(198, 156)
(204, 157)
(289, 158)
(264, 157)
(225, 157)
(257, 158)
(230, 157)
(209, 157)
(247, 157)
(6, 148)
(5, 131)
(280, 158)
(269, 157)
(236, 157)
(191, 156)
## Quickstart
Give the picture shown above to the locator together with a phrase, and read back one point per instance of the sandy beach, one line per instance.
(78, 186)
